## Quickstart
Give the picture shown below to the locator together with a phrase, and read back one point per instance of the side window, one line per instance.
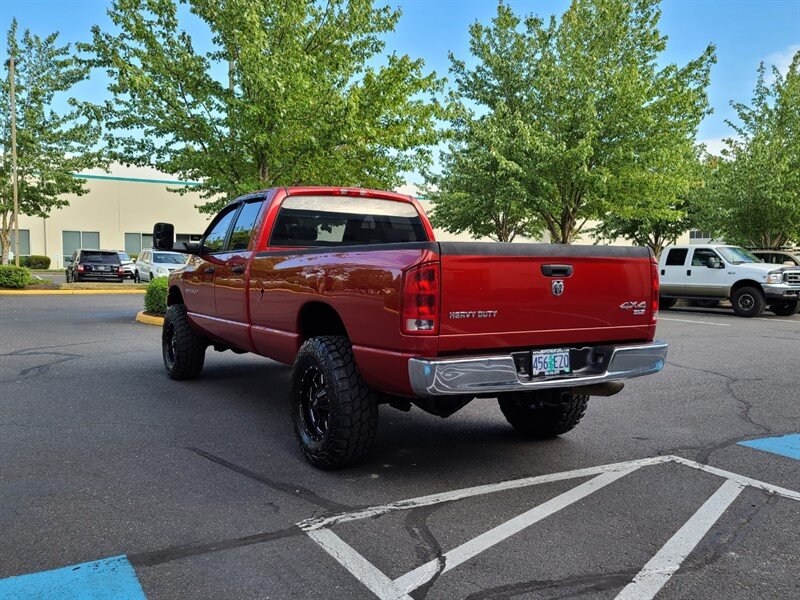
(701, 256)
(214, 240)
(677, 257)
(245, 224)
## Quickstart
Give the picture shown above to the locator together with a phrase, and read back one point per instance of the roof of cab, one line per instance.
(318, 190)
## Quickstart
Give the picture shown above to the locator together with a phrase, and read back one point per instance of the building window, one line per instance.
(24, 242)
(697, 234)
(185, 238)
(136, 242)
(73, 240)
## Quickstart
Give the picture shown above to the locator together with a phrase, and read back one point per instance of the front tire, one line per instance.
(183, 349)
(785, 309)
(334, 412)
(748, 301)
(544, 414)
(136, 277)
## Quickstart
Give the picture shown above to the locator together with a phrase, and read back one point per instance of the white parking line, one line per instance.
(363, 570)
(645, 585)
(668, 560)
(697, 322)
(478, 490)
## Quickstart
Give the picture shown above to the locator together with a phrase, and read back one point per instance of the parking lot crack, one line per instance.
(704, 453)
(292, 489)
(416, 524)
(164, 555)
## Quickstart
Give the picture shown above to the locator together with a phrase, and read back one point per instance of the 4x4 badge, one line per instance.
(558, 287)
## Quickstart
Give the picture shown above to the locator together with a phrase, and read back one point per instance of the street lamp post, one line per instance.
(14, 181)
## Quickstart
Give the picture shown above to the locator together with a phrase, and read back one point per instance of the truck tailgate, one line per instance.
(542, 295)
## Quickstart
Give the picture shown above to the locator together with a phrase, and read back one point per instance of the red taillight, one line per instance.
(654, 287)
(420, 308)
(81, 268)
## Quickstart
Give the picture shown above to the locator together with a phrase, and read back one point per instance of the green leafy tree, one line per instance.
(756, 186)
(661, 212)
(581, 119)
(51, 145)
(287, 93)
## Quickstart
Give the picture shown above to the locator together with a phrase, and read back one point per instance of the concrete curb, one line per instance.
(68, 292)
(141, 317)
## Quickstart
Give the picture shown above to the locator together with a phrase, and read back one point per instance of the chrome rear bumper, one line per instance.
(495, 374)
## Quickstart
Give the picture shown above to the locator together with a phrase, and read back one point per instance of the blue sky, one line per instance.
(744, 31)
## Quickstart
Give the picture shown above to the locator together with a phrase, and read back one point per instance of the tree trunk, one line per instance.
(5, 245)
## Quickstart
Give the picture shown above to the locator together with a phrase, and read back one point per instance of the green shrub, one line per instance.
(35, 261)
(14, 277)
(155, 298)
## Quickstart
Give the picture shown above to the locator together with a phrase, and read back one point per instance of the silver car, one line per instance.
(157, 263)
(128, 268)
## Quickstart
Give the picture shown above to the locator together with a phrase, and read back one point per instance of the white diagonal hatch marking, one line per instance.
(667, 561)
(421, 575)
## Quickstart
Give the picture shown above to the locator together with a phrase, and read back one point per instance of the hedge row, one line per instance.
(35, 261)
(155, 298)
(14, 277)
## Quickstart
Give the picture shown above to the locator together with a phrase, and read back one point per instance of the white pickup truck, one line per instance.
(708, 273)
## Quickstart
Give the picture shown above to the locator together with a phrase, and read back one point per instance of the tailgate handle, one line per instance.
(556, 270)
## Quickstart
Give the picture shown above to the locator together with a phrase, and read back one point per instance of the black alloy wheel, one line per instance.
(314, 406)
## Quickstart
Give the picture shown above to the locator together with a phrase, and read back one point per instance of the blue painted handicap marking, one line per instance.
(785, 445)
(107, 579)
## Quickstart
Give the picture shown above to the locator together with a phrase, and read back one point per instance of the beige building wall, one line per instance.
(126, 200)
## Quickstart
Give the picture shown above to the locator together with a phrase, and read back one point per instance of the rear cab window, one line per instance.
(677, 257)
(330, 221)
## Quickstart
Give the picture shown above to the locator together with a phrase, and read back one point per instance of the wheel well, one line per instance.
(174, 296)
(317, 318)
(746, 283)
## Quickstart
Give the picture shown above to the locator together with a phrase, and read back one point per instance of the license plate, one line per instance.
(102, 268)
(550, 362)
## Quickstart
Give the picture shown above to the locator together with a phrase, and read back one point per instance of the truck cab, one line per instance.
(708, 273)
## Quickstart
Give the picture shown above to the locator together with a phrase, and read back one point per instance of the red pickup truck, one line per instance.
(349, 286)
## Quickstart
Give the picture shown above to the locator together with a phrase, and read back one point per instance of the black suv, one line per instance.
(94, 264)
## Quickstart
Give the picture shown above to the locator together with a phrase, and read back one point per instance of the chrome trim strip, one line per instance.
(494, 374)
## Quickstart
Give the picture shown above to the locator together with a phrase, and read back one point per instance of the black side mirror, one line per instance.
(163, 236)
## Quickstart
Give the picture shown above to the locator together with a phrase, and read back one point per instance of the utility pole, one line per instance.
(14, 182)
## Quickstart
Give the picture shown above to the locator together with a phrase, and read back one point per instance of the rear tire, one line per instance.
(183, 349)
(785, 309)
(666, 303)
(748, 301)
(136, 277)
(334, 412)
(544, 414)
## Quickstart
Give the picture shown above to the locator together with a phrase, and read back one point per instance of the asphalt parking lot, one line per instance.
(199, 486)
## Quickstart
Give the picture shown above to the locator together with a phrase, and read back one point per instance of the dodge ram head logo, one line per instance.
(558, 287)
(638, 308)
